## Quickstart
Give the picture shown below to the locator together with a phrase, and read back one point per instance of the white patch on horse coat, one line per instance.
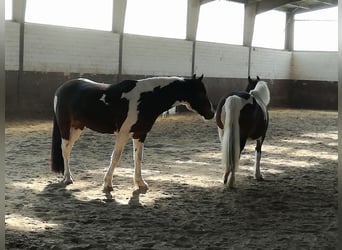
(133, 96)
(55, 99)
(103, 99)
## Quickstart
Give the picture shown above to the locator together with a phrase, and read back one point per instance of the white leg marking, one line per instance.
(231, 180)
(138, 148)
(120, 143)
(257, 175)
(66, 150)
(220, 133)
(55, 100)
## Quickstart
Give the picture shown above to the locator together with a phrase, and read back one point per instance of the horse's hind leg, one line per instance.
(66, 150)
(257, 175)
(138, 147)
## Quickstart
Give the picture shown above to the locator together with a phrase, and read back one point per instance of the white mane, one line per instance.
(261, 94)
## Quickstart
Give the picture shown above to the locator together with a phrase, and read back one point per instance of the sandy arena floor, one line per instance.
(186, 206)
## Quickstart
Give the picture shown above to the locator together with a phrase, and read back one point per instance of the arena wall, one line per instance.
(54, 54)
(144, 55)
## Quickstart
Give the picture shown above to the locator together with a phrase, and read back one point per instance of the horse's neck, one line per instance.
(250, 86)
(177, 93)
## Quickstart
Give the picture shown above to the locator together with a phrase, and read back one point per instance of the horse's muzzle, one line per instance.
(210, 115)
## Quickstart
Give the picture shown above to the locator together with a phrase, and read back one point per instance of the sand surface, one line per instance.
(187, 206)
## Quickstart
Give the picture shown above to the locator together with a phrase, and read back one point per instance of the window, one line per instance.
(316, 30)
(269, 30)
(90, 14)
(222, 22)
(162, 18)
(8, 10)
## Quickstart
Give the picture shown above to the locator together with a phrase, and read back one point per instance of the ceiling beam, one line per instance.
(266, 5)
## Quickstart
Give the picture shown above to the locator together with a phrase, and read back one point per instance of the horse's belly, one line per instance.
(97, 124)
(102, 129)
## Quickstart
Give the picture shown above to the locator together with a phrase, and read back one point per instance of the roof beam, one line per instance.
(266, 5)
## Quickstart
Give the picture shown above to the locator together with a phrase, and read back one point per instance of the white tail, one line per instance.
(231, 135)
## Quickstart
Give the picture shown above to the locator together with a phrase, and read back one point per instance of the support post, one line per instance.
(248, 30)
(18, 15)
(289, 32)
(191, 27)
(119, 14)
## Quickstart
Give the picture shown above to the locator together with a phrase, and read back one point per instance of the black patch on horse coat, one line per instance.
(115, 91)
(79, 105)
(253, 124)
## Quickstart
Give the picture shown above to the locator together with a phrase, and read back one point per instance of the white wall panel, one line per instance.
(12, 45)
(61, 49)
(144, 55)
(270, 64)
(221, 60)
(314, 66)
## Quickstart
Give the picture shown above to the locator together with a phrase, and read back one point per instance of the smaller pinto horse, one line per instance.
(127, 109)
(242, 116)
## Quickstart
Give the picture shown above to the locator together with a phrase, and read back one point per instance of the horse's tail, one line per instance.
(231, 134)
(57, 162)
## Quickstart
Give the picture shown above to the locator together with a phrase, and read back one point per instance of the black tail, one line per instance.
(57, 162)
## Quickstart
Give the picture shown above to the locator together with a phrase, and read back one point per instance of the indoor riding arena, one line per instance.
(187, 204)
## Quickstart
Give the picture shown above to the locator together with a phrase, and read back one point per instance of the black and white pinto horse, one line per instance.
(127, 109)
(242, 116)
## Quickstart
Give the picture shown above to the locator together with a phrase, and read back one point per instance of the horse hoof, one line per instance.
(67, 181)
(259, 178)
(107, 189)
(143, 189)
(229, 189)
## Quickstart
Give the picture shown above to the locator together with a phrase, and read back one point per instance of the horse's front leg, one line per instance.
(257, 175)
(138, 148)
(120, 143)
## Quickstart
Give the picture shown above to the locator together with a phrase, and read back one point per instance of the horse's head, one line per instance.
(252, 83)
(197, 99)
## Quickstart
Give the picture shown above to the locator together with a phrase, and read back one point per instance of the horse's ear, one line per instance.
(249, 78)
(201, 77)
(258, 78)
(194, 76)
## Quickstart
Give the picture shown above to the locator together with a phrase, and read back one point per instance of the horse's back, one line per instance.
(74, 87)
